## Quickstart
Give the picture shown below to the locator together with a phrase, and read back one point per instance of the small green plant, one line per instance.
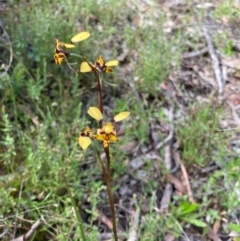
(227, 9)
(224, 41)
(199, 135)
(8, 142)
(155, 226)
(188, 213)
(156, 59)
(229, 176)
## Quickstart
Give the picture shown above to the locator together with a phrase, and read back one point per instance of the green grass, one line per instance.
(227, 9)
(199, 135)
(43, 110)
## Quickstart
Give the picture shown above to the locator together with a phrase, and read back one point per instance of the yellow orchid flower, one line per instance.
(100, 65)
(106, 139)
(59, 58)
(61, 49)
(107, 134)
(84, 139)
(61, 52)
(61, 46)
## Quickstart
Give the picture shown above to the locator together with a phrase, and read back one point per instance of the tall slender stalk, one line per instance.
(110, 196)
(106, 171)
(59, 54)
(108, 163)
(13, 100)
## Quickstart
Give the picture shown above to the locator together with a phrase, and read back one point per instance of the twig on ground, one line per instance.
(6, 68)
(209, 169)
(195, 53)
(30, 233)
(212, 234)
(168, 163)
(166, 140)
(178, 184)
(4, 231)
(215, 60)
(234, 113)
(134, 227)
(166, 197)
(185, 176)
(101, 217)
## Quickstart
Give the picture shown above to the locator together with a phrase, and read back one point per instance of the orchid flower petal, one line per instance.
(108, 128)
(84, 142)
(95, 113)
(69, 46)
(84, 67)
(121, 116)
(112, 63)
(113, 138)
(80, 37)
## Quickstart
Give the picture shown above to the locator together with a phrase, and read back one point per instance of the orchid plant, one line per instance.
(105, 133)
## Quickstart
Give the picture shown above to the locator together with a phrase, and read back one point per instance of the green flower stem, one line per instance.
(76, 55)
(13, 100)
(79, 219)
(106, 173)
(110, 196)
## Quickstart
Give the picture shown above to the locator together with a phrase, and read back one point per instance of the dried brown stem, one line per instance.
(134, 227)
(168, 164)
(185, 176)
(30, 233)
(10, 50)
(215, 60)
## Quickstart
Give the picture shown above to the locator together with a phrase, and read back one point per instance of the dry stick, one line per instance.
(29, 234)
(215, 60)
(185, 176)
(134, 227)
(234, 114)
(168, 163)
(4, 232)
(166, 140)
(195, 53)
(104, 219)
(10, 50)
